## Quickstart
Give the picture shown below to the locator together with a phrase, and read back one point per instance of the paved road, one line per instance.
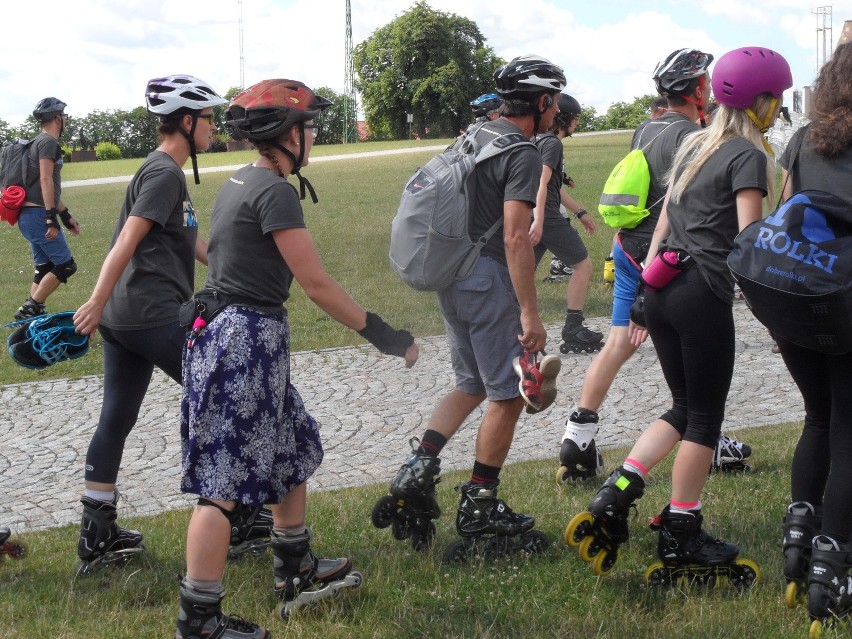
(368, 406)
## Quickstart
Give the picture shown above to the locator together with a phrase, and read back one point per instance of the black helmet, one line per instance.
(485, 104)
(528, 76)
(676, 74)
(48, 108)
(569, 105)
(267, 109)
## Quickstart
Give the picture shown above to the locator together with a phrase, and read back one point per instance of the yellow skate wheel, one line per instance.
(562, 475)
(794, 595)
(604, 561)
(589, 548)
(656, 574)
(745, 574)
(815, 631)
(578, 528)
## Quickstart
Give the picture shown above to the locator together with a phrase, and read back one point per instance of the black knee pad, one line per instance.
(676, 416)
(64, 271)
(41, 270)
(229, 514)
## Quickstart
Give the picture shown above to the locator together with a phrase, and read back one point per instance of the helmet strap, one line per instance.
(763, 125)
(304, 184)
(190, 138)
(699, 103)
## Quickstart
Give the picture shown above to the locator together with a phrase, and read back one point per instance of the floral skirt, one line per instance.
(245, 433)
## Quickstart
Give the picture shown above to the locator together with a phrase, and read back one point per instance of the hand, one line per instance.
(637, 334)
(411, 355)
(88, 317)
(534, 336)
(73, 227)
(52, 232)
(536, 231)
(588, 224)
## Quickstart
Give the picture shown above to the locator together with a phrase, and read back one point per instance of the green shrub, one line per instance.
(66, 153)
(107, 151)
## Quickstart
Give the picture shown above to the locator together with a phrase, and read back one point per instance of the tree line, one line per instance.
(417, 74)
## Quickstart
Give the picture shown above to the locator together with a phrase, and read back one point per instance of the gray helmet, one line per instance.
(528, 76)
(677, 74)
(48, 108)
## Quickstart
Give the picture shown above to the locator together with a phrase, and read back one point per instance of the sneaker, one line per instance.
(537, 380)
(730, 454)
(46, 340)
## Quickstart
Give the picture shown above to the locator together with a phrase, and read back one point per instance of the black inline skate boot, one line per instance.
(559, 272)
(801, 524)
(200, 617)
(302, 578)
(577, 338)
(730, 456)
(250, 528)
(29, 309)
(689, 555)
(599, 532)
(489, 528)
(411, 506)
(103, 542)
(579, 457)
(829, 584)
(9, 547)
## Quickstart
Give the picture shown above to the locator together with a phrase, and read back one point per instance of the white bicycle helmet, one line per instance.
(180, 95)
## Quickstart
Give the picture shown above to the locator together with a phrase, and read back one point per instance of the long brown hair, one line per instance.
(831, 123)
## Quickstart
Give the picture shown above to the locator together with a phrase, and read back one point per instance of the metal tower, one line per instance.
(242, 60)
(824, 35)
(350, 107)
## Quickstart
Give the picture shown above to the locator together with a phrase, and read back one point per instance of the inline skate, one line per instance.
(577, 338)
(302, 578)
(250, 528)
(829, 584)
(559, 272)
(200, 615)
(801, 525)
(730, 456)
(103, 542)
(411, 506)
(579, 457)
(689, 555)
(489, 528)
(11, 547)
(599, 532)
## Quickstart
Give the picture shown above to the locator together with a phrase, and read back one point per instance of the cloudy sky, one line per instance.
(99, 54)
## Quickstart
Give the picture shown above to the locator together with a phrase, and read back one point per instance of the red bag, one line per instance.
(11, 200)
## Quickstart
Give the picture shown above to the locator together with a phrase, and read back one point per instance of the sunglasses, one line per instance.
(209, 117)
(314, 129)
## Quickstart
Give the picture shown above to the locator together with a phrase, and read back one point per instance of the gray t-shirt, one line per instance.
(704, 222)
(814, 171)
(44, 147)
(659, 139)
(161, 273)
(513, 175)
(552, 155)
(243, 259)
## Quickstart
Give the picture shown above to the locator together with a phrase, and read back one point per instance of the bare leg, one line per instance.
(207, 540)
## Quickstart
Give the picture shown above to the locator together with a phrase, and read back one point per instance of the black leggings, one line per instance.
(693, 333)
(822, 464)
(129, 361)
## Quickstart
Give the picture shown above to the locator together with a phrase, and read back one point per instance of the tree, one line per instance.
(624, 115)
(427, 63)
(330, 120)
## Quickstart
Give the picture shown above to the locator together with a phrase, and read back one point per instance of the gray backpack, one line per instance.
(14, 165)
(430, 247)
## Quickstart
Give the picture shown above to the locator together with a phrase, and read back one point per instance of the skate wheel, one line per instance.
(563, 475)
(589, 548)
(578, 528)
(794, 595)
(16, 549)
(815, 631)
(744, 574)
(423, 540)
(564, 348)
(604, 562)
(383, 512)
(401, 530)
(535, 542)
(656, 575)
(282, 612)
(456, 553)
(357, 580)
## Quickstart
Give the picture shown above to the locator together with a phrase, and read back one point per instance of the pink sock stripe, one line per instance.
(635, 463)
(684, 505)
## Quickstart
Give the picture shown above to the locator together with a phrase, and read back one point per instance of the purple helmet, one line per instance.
(742, 74)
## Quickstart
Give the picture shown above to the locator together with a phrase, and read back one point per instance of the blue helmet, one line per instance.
(486, 103)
